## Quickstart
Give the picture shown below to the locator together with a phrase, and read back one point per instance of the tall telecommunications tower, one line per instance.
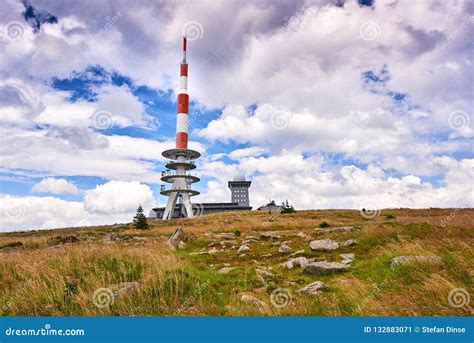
(181, 157)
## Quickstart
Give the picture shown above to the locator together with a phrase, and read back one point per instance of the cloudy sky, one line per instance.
(329, 104)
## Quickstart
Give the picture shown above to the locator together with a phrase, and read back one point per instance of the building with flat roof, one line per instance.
(239, 188)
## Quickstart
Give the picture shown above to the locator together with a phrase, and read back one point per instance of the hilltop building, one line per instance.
(239, 188)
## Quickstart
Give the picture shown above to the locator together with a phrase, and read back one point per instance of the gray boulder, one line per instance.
(296, 262)
(176, 237)
(347, 258)
(270, 235)
(225, 270)
(314, 288)
(349, 242)
(325, 267)
(324, 244)
(284, 249)
(243, 248)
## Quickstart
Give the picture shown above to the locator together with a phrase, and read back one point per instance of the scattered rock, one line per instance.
(176, 237)
(270, 235)
(250, 299)
(296, 262)
(243, 248)
(125, 289)
(250, 240)
(325, 267)
(314, 288)
(182, 245)
(301, 234)
(213, 251)
(408, 259)
(226, 270)
(228, 243)
(284, 249)
(349, 242)
(324, 244)
(224, 236)
(266, 255)
(347, 258)
(341, 229)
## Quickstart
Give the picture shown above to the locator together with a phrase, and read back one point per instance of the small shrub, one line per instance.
(324, 224)
(237, 233)
(390, 216)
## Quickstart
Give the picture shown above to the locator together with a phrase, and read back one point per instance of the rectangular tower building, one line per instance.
(239, 189)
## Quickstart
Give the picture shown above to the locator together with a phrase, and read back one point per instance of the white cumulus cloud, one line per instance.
(55, 186)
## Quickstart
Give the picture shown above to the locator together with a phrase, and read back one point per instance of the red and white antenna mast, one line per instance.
(181, 156)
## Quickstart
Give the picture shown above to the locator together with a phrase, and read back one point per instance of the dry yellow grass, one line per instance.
(46, 277)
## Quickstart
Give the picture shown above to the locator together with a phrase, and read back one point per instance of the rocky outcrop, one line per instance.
(284, 249)
(349, 242)
(270, 235)
(347, 258)
(243, 248)
(225, 270)
(409, 259)
(250, 299)
(324, 244)
(176, 237)
(296, 262)
(313, 289)
(325, 267)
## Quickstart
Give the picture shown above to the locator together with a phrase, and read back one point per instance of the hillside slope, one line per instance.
(116, 270)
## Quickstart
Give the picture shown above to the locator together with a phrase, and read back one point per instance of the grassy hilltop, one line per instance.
(58, 272)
